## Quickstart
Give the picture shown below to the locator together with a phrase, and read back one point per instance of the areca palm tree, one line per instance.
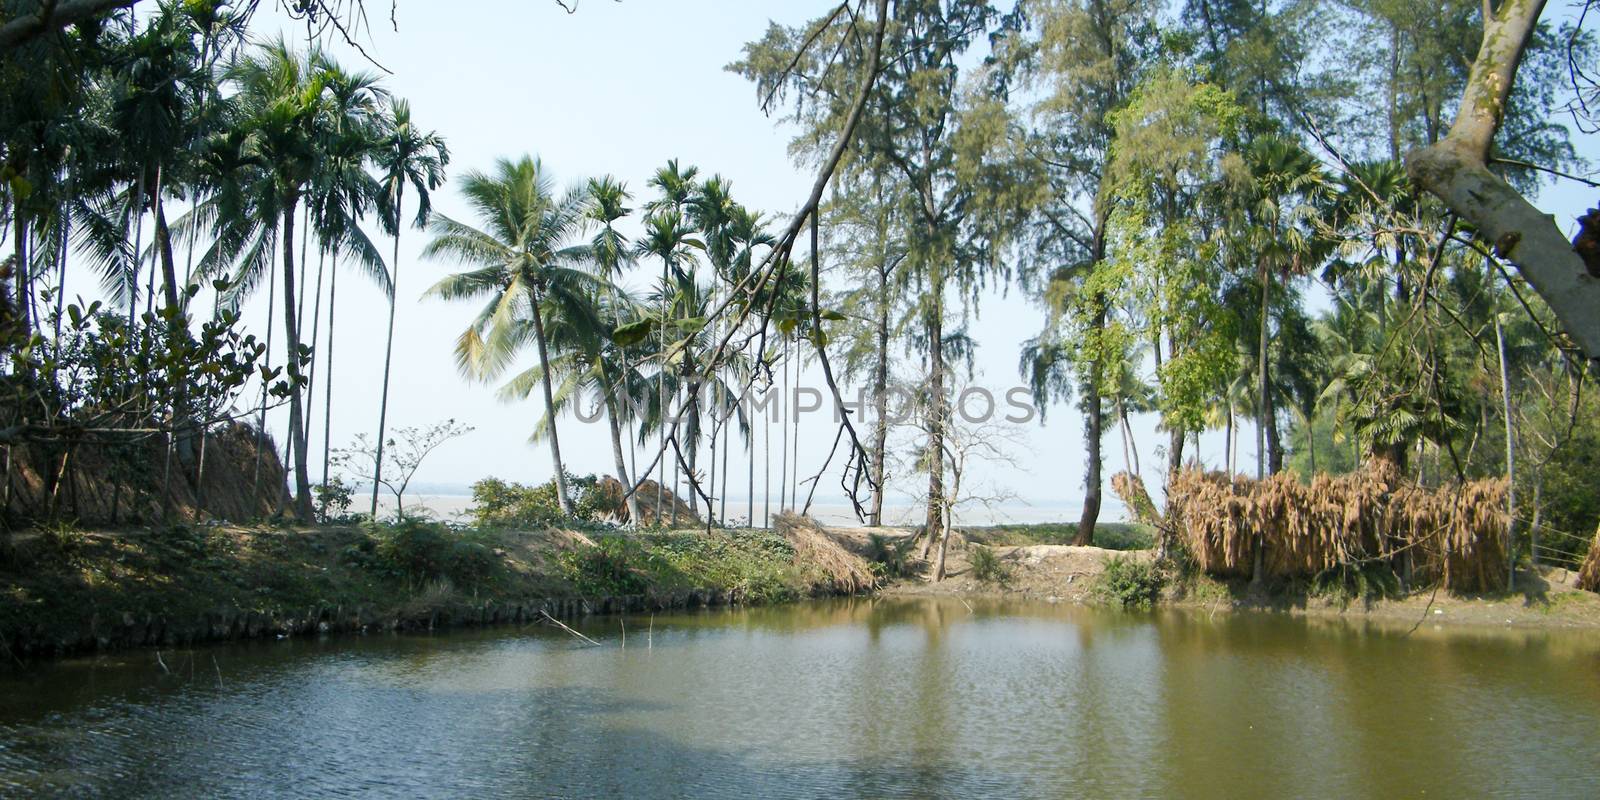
(669, 238)
(344, 191)
(527, 267)
(280, 105)
(406, 156)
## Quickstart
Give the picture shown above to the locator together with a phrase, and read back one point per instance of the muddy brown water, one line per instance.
(862, 698)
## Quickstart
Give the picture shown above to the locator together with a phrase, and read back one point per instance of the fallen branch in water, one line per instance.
(558, 623)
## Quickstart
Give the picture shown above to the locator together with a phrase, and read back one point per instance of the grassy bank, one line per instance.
(64, 590)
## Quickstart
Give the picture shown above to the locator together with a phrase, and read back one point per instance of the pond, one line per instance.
(855, 698)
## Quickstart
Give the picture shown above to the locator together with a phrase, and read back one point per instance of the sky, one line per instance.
(619, 88)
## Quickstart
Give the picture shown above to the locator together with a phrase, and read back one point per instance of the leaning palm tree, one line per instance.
(524, 264)
(406, 155)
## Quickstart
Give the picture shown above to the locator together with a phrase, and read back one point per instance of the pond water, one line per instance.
(859, 698)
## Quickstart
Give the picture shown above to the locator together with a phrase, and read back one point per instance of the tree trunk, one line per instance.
(880, 388)
(1511, 461)
(138, 244)
(1274, 439)
(550, 405)
(20, 268)
(1455, 170)
(169, 271)
(1263, 396)
(935, 521)
(612, 404)
(388, 350)
(302, 480)
(1094, 435)
(327, 392)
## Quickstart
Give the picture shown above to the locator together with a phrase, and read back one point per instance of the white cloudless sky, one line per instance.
(615, 88)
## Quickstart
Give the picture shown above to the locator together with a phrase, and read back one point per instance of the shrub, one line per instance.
(887, 558)
(420, 550)
(987, 567)
(332, 499)
(501, 504)
(611, 567)
(1130, 583)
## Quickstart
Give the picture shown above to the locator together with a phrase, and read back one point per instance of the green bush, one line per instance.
(612, 567)
(987, 567)
(1130, 583)
(420, 550)
(888, 559)
(502, 504)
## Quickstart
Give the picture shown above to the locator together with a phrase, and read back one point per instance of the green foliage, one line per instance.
(419, 550)
(1130, 583)
(332, 499)
(614, 566)
(987, 567)
(502, 504)
(1366, 582)
(888, 559)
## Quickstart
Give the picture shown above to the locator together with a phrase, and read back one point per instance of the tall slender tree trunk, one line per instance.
(1511, 461)
(562, 497)
(316, 326)
(880, 401)
(20, 270)
(1264, 399)
(1175, 433)
(261, 421)
(1094, 436)
(1227, 440)
(936, 419)
(1133, 444)
(327, 391)
(291, 331)
(1274, 438)
(388, 350)
(783, 425)
(613, 403)
(138, 244)
(766, 470)
(169, 271)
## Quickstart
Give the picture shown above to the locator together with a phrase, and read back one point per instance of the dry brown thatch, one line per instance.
(617, 508)
(1589, 573)
(845, 571)
(1457, 534)
(96, 483)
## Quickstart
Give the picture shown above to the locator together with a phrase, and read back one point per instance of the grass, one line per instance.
(1110, 535)
(59, 586)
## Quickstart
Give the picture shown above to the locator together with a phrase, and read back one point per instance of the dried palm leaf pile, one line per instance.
(1456, 535)
(1589, 574)
(841, 570)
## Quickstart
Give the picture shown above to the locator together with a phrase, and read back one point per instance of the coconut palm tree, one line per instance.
(527, 267)
(406, 156)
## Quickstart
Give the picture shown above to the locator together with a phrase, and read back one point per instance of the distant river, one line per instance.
(863, 698)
